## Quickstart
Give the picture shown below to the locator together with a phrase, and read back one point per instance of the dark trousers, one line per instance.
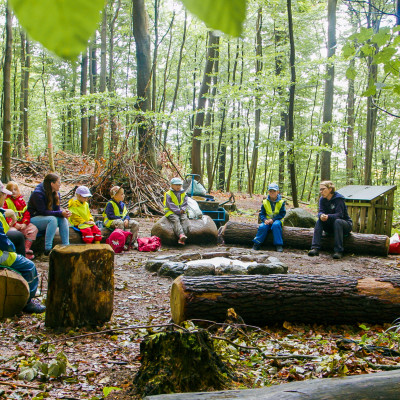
(18, 240)
(339, 228)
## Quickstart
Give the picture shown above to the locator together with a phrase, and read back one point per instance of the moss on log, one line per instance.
(177, 361)
(301, 238)
(262, 300)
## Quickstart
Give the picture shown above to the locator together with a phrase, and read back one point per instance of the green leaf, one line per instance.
(364, 34)
(27, 374)
(351, 73)
(382, 37)
(108, 390)
(384, 55)
(348, 50)
(223, 15)
(62, 26)
(371, 90)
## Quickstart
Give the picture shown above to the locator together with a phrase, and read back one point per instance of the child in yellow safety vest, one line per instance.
(175, 205)
(81, 217)
(16, 202)
(116, 214)
(271, 215)
(11, 260)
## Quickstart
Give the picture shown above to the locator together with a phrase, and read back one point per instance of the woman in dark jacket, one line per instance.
(332, 218)
(46, 213)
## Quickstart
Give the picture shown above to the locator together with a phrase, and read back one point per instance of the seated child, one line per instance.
(175, 205)
(81, 217)
(23, 224)
(116, 215)
(16, 262)
(271, 215)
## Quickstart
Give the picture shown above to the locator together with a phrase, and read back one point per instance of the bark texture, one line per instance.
(14, 293)
(383, 385)
(301, 238)
(262, 300)
(81, 286)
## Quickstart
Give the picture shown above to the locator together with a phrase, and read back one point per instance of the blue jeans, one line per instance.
(49, 224)
(263, 230)
(339, 228)
(28, 271)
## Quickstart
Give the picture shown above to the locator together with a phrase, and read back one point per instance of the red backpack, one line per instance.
(149, 243)
(119, 239)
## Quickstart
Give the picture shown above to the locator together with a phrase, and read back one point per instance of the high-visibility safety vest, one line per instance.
(174, 199)
(81, 210)
(6, 258)
(107, 222)
(268, 208)
(11, 206)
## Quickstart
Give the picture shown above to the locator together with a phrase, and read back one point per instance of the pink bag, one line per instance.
(149, 243)
(394, 246)
(119, 240)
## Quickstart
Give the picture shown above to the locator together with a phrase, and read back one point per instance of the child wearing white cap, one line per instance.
(271, 215)
(81, 216)
(175, 205)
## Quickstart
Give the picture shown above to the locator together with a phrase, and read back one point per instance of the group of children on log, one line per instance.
(333, 218)
(20, 223)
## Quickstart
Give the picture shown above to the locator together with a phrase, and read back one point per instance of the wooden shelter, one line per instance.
(370, 207)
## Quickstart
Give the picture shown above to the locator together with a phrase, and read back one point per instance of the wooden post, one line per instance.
(81, 285)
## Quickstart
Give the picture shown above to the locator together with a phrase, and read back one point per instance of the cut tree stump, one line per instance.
(14, 293)
(381, 385)
(262, 300)
(180, 362)
(81, 285)
(301, 238)
(74, 238)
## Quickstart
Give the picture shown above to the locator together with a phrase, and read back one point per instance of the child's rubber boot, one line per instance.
(182, 239)
(28, 252)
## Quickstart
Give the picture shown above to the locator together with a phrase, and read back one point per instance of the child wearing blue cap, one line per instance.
(175, 205)
(271, 215)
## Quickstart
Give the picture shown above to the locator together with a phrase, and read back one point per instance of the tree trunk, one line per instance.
(329, 87)
(6, 151)
(26, 94)
(93, 89)
(290, 128)
(301, 238)
(382, 385)
(81, 286)
(20, 138)
(84, 119)
(350, 130)
(264, 300)
(213, 41)
(143, 81)
(14, 293)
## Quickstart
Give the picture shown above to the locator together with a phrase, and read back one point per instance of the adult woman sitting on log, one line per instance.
(332, 218)
(46, 213)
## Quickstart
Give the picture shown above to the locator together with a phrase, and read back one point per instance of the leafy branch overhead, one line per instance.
(64, 27)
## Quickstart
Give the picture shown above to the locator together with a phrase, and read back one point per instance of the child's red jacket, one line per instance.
(20, 205)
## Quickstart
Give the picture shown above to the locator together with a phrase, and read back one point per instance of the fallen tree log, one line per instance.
(381, 385)
(81, 286)
(301, 238)
(262, 300)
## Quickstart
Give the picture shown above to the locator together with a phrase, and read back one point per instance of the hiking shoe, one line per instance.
(34, 307)
(256, 246)
(337, 256)
(279, 249)
(313, 252)
(47, 252)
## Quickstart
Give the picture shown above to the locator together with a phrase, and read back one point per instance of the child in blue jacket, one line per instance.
(271, 215)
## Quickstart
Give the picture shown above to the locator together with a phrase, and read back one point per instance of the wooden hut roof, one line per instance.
(365, 192)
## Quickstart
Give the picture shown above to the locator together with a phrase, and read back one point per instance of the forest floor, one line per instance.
(98, 363)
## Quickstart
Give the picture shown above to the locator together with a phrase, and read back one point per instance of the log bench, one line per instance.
(301, 238)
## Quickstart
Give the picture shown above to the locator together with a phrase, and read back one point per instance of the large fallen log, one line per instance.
(262, 300)
(382, 385)
(81, 286)
(301, 238)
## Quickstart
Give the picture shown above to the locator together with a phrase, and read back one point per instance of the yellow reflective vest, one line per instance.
(268, 208)
(174, 199)
(7, 258)
(11, 206)
(80, 214)
(107, 222)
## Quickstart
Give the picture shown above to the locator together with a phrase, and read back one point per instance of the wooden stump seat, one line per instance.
(14, 293)
(81, 285)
